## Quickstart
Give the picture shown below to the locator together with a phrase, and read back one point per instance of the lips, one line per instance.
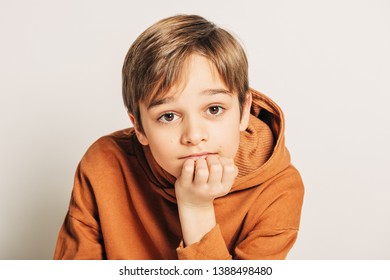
(198, 155)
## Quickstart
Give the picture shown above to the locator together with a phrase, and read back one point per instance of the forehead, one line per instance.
(198, 75)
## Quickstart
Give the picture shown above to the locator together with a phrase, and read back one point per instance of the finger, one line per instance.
(215, 170)
(230, 171)
(201, 172)
(187, 172)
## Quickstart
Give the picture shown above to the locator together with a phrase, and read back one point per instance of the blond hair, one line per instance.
(155, 60)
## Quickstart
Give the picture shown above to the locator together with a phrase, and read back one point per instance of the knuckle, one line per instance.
(215, 167)
(202, 172)
(187, 168)
(231, 168)
(222, 192)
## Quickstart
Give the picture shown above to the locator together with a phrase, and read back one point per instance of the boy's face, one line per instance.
(202, 119)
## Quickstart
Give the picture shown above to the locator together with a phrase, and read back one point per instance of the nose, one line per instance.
(194, 132)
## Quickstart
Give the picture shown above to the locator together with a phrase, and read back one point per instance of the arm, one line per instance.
(80, 235)
(78, 240)
(199, 184)
(276, 219)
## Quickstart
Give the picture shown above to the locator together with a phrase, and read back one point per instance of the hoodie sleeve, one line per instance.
(78, 241)
(210, 247)
(276, 225)
(80, 235)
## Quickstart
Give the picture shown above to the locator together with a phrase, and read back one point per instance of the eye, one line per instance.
(167, 117)
(215, 110)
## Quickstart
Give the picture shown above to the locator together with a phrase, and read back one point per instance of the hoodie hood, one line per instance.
(265, 138)
(261, 154)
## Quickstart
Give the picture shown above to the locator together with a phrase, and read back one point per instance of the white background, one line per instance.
(326, 63)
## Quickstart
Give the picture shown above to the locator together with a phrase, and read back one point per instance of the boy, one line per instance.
(203, 173)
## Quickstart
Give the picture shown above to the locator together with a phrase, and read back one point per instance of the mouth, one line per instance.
(197, 156)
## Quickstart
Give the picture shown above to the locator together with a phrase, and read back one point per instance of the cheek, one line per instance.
(165, 154)
(163, 147)
(228, 141)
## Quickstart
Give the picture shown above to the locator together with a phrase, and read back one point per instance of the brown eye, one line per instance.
(215, 110)
(167, 118)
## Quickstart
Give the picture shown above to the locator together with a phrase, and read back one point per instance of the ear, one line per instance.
(246, 111)
(140, 135)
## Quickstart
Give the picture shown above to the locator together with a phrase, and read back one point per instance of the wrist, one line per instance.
(196, 221)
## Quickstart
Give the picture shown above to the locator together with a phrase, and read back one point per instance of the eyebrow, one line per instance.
(166, 100)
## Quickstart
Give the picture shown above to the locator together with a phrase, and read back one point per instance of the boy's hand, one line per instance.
(200, 182)
(203, 180)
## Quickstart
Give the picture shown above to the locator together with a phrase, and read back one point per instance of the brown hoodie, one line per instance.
(123, 203)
